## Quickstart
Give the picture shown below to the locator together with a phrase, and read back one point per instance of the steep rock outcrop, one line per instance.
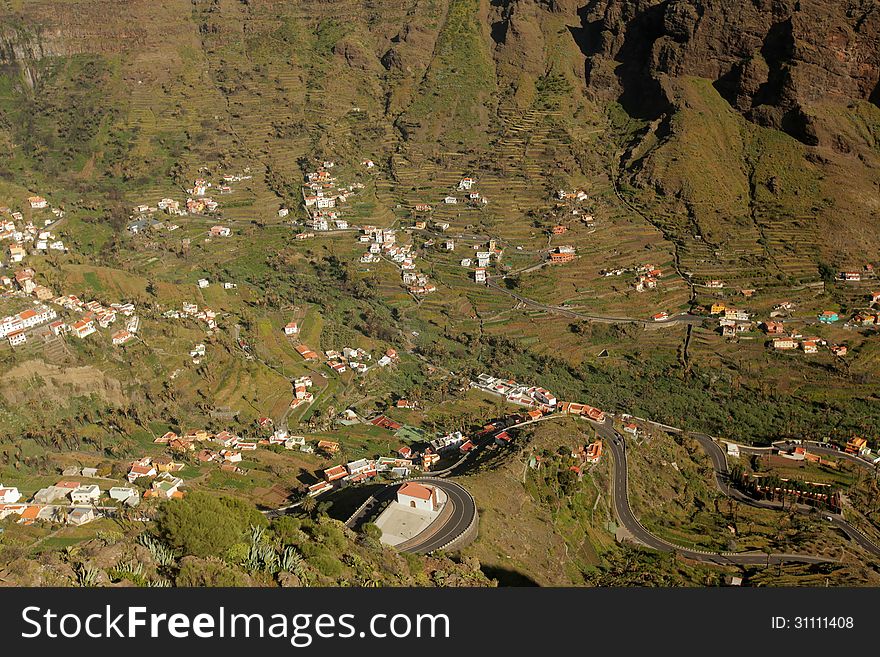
(772, 60)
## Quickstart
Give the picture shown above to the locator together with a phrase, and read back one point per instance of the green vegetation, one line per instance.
(202, 525)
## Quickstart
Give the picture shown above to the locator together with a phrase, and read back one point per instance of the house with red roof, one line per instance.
(417, 496)
(334, 473)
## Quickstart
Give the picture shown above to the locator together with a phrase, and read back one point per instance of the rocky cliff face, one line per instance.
(773, 60)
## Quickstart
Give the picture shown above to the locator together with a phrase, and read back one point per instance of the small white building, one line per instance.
(417, 496)
(122, 493)
(17, 338)
(86, 494)
(291, 329)
(80, 516)
(9, 495)
(121, 337)
(167, 485)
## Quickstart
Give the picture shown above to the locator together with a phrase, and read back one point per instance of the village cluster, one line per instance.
(427, 454)
(573, 202)
(732, 321)
(472, 196)
(198, 202)
(322, 197)
(22, 284)
(407, 458)
(25, 235)
(92, 314)
(354, 358)
(77, 503)
(362, 470)
(383, 242)
(204, 315)
(482, 258)
(646, 276)
(541, 403)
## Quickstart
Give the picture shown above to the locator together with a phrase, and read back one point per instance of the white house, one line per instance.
(121, 337)
(291, 329)
(203, 282)
(122, 493)
(86, 494)
(231, 457)
(294, 441)
(139, 470)
(167, 484)
(80, 516)
(9, 495)
(17, 338)
(544, 396)
(417, 496)
(360, 466)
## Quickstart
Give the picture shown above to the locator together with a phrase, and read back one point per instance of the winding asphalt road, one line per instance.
(719, 463)
(464, 512)
(616, 445)
(458, 514)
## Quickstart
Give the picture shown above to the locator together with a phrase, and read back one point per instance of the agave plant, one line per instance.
(291, 559)
(262, 557)
(258, 534)
(161, 553)
(130, 570)
(86, 576)
(371, 581)
(293, 562)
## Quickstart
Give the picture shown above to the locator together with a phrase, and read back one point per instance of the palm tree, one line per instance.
(308, 504)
